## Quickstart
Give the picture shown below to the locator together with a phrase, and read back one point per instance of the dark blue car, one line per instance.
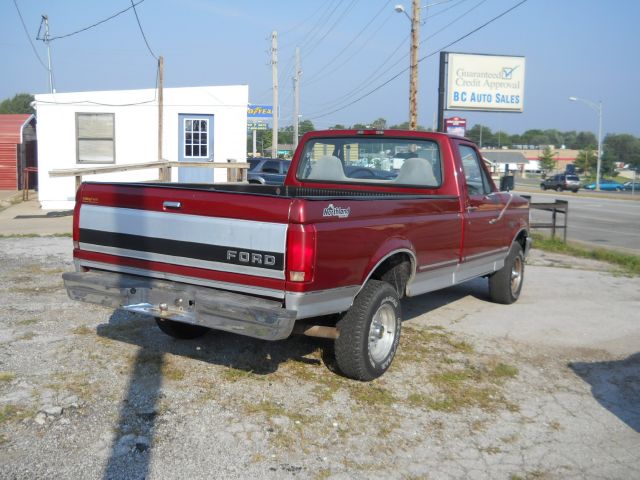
(267, 171)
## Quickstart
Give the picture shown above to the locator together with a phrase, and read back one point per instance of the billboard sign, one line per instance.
(488, 83)
(456, 126)
(260, 111)
(256, 125)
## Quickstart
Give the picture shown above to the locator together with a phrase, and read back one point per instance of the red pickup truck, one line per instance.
(364, 218)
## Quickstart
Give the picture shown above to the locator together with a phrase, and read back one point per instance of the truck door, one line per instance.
(483, 236)
(195, 144)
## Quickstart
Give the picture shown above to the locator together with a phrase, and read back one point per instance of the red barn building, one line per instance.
(17, 150)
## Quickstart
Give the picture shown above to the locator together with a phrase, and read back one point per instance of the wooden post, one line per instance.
(163, 172)
(413, 81)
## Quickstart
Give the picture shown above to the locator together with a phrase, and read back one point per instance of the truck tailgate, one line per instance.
(184, 234)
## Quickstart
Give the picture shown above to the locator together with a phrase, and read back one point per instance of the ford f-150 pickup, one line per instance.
(364, 218)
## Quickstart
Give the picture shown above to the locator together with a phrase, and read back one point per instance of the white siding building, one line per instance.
(88, 129)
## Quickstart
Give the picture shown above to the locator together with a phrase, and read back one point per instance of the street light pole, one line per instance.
(598, 108)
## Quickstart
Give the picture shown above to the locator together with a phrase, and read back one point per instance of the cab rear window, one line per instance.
(376, 161)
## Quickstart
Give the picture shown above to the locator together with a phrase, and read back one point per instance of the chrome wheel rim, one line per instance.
(516, 275)
(382, 333)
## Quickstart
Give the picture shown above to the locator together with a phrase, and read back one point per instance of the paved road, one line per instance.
(597, 221)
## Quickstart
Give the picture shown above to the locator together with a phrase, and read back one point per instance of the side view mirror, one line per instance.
(507, 183)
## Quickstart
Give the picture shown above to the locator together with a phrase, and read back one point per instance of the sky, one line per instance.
(348, 48)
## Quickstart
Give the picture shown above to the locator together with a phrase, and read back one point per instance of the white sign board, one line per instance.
(492, 83)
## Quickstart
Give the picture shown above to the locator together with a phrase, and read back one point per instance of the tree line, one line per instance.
(617, 148)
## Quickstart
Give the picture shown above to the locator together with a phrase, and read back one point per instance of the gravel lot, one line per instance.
(546, 388)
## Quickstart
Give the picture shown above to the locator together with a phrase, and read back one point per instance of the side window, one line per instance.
(475, 175)
(271, 167)
(95, 138)
(195, 138)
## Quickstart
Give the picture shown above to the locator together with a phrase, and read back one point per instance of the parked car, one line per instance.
(560, 182)
(632, 186)
(606, 185)
(267, 171)
(330, 254)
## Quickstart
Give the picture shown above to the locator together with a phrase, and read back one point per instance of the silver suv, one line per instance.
(560, 182)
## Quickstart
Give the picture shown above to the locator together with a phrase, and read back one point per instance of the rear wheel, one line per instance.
(558, 189)
(543, 186)
(184, 331)
(505, 285)
(369, 332)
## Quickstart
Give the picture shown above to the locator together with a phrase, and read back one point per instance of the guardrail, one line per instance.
(557, 207)
(236, 172)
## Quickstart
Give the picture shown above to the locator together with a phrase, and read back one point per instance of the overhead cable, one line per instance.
(133, 5)
(372, 91)
(379, 74)
(345, 48)
(29, 37)
(97, 23)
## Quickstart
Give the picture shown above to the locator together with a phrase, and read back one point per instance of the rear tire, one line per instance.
(506, 284)
(369, 332)
(183, 331)
(543, 187)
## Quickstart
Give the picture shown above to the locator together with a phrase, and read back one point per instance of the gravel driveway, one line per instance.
(546, 388)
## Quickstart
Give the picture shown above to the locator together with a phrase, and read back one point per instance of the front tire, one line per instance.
(506, 284)
(183, 331)
(369, 332)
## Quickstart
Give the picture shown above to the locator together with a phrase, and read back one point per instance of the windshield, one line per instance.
(395, 161)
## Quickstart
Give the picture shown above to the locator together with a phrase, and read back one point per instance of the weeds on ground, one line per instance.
(14, 413)
(6, 377)
(629, 263)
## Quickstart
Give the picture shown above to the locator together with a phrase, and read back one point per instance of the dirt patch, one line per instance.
(86, 392)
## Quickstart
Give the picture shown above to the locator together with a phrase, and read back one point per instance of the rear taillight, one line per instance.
(301, 252)
(76, 218)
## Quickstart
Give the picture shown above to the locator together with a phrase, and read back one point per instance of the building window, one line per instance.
(196, 134)
(95, 138)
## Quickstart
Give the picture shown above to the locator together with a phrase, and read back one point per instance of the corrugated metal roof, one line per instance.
(11, 127)
(498, 156)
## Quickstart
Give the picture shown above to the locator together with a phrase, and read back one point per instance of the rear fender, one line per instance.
(392, 247)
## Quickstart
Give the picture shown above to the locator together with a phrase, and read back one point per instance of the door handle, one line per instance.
(171, 205)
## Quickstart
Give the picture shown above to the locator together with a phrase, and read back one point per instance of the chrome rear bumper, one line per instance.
(217, 309)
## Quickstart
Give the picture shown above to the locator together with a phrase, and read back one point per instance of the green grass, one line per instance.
(629, 263)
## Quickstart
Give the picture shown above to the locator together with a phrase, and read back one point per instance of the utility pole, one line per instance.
(296, 99)
(164, 171)
(413, 85)
(47, 42)
(276, 110)
(255, 141)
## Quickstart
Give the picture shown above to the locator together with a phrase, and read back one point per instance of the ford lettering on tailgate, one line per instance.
(231, 245)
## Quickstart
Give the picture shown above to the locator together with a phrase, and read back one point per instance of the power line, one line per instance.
(344, 49)
(338, 20)
(311, 36)
(90, 102)
(133, 5)
(28, 37)
(377, 74)
(97, 23)
(372, 91)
